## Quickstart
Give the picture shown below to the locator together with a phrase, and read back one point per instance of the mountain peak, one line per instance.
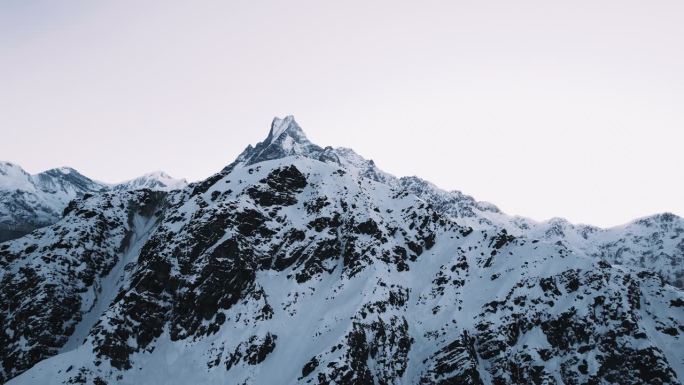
(665, 219)
(13, 177)
(4, 165)
(287, 134)
(61, 172)
(157, 180)
(286, 138)
(285, 125)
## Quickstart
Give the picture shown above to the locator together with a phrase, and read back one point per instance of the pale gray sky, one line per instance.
(545, 108)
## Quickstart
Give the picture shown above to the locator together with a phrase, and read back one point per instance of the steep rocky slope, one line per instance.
(302, 264)
(28, 202)
(655, 243)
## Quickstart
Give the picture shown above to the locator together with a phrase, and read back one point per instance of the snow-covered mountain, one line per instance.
(157, 180)
(655, 243)
(30, 201)
(299, 264)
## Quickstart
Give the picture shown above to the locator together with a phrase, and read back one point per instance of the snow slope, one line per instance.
(29, 201)
(300, 264)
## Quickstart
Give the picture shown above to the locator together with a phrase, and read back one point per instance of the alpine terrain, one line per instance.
(302, 264)
(28, 202)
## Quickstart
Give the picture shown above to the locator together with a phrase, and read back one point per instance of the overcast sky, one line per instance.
(545, 108)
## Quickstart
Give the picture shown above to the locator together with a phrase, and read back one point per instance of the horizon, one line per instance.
(545, 110)
(188, 181)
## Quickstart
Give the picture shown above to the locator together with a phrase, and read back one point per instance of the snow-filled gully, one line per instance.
(97, 300)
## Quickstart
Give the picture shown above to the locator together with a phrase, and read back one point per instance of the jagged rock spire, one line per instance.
(286, 126)
(285, 138)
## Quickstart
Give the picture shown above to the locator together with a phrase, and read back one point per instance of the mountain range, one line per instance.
(28, 202)
(303, 264)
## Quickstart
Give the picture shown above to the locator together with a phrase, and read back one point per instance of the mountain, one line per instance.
(655, 243)
(28, 202)
(158, 180)
(301, 264)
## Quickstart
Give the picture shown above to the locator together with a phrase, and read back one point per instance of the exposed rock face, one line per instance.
(302, 264)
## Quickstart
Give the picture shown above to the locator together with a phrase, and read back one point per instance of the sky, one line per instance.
(544, 108)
